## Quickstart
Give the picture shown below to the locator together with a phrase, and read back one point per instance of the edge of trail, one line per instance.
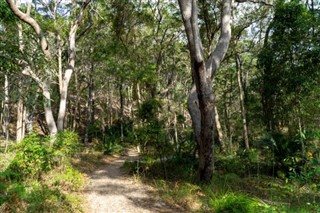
(111, 189)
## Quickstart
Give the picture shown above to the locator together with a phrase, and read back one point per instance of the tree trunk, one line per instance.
(206, 107)
(48, 111)
(64, 84)
(29, 120)
(194, 111)
(219, 130)
(121, 110)
(20, 120)
(90, 105)
(242, 104)
(6, 116)
(20, 106)
(65, 79)
(201, 98)
(76, 111)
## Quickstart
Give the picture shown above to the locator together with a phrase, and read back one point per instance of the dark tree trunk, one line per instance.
(206, 107)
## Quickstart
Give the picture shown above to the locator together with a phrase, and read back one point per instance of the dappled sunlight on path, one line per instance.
(111, 190)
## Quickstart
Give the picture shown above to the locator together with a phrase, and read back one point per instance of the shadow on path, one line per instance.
(111, 190)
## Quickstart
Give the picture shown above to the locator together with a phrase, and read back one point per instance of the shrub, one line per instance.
(236, 203)
(32, 158)
(67, 143)
(69, 179)
(286, 150)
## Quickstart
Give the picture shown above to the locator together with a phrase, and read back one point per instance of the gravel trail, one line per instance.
(111, 190)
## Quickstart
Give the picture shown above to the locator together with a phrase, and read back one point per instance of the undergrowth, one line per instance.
(239, 185)
(40, 178)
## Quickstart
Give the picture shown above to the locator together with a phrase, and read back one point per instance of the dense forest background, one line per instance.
(119, 73)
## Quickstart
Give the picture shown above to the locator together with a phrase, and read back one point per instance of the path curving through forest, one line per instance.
(111, 190)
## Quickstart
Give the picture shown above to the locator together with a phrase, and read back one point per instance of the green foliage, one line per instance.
(33, 157)
(33, 183)
(152, 135)
(286, 151)
(235, 203)
(311, 169)
(95, 131)
(288, 63)
(245, 162)
(67, 143)
(183, 193)
(113, 141)
(5, 14)
(178, 167)
(34, 197)
(69, 179)
(111, 148)
(148, 110)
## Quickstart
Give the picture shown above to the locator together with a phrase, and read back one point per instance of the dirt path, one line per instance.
(111, 190)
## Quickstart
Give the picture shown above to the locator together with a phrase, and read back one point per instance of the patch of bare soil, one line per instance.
(110, 189)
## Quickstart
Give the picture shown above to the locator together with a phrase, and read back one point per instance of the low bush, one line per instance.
(69, 179)
(67, 143)
(33, 157)
(236, 203)
(41, 178)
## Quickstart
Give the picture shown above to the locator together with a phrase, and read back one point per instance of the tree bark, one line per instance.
(242, 104)
(20, 119)
(29, 120)
(6, 111)
(48, 111)
(90, 104)
(219, 130)
(20, 106)
(201, 97)
(121, 110)
(194, 111)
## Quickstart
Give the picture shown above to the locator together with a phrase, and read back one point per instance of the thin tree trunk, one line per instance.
(21, 116)
(48, 112)
(20, 105)
(138, 94)
(29, 120)
(90, 105)
(121, 110)
(6, 111)
(193, 107)
(225, 111)
(219, 130)
(130, 101)
(65, 79)
(92, 96)
(303, 148)
(76, 112)
(176, 138)
(242, 104)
